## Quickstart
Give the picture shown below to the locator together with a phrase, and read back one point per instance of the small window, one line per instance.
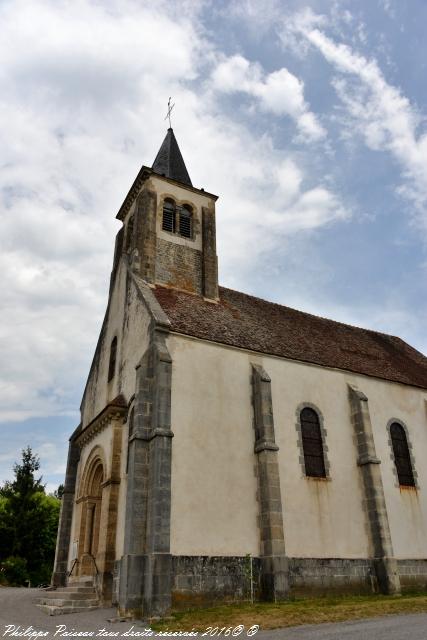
(185, 220)
(314, 461)
(168, 223)
(113, 354)
(402, 458)
(131, 423)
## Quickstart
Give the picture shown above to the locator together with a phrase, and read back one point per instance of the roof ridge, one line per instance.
(313, 315)
(245, 321)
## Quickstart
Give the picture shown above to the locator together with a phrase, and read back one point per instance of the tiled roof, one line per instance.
(250, 323)
(169, 161)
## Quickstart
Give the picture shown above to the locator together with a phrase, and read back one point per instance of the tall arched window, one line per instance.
(112, 363)
(312, 444)
(185, 221)
(168, 223)
(402, 458)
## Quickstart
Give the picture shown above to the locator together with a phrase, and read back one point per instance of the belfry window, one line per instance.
(177, 219)
(168, 223)
(402, 457)
(185, 219)
(312, 444)
(112, 363)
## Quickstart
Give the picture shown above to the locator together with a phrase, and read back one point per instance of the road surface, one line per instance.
(18, 612)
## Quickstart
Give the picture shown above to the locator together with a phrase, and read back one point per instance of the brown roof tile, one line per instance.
(250, 323)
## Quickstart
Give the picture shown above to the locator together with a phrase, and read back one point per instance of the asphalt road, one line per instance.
(17, 608)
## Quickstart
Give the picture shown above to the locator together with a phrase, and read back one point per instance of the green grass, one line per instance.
(294, 612)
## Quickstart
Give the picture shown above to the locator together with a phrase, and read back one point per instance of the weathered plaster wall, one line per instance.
(128, 319)
(213, 456)
(407, 507)
(214, 509)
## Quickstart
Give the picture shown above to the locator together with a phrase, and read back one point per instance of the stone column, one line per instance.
(59, 576)
(210, 260)
(145, 574)
(146, 236)
(384, 562)
(90, 516)
(158, 561)
(106, 553)
(131, 565)
(274, 564)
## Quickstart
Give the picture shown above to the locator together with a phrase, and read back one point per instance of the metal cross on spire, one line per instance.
(168, 115)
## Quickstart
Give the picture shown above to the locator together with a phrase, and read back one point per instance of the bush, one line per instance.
(14, 569)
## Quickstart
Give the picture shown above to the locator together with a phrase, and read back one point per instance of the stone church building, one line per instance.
(230, 446)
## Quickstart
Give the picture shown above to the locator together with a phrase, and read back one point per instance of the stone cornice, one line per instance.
(144, 173)
(115, 410)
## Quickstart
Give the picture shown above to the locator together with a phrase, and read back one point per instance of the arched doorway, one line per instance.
(91, 499)
(97, 501)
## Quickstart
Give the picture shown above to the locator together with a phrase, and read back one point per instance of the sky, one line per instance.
(307, 118)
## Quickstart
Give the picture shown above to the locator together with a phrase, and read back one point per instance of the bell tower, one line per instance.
(169, 226)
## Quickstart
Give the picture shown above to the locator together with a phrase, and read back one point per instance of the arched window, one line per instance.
(112, 363)
(185, 220)
(402, 458)
(312, 444)
(168, 223)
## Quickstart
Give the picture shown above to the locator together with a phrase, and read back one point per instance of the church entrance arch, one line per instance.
(91, 499)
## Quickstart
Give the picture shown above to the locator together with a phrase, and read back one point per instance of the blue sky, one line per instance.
(308, 119)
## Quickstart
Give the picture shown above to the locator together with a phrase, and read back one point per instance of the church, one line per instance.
(231, 448)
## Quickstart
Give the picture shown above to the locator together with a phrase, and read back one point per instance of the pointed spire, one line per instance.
(169, 161)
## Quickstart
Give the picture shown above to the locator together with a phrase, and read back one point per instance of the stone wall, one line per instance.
(413, 574)
(328, 575)
(203, 580)
(179, 266)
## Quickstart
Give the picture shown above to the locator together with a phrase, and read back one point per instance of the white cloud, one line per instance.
(379, 112)
(279, 92)
(84, 87)
(389, 9)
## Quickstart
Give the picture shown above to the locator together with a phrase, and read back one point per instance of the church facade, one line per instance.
(230, 447)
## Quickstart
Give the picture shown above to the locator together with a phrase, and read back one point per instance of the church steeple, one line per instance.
(168, 229)
(169, 161)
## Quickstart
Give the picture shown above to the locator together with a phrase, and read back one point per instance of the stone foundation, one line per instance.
(320, 576)
(203, 581)
(413, 574)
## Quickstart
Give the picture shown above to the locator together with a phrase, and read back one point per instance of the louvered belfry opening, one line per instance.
(312, 444)
(168, 223)
(402, 456)
(185, 219)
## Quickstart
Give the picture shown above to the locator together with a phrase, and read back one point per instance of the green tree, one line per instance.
(28, 520)
(59, 492)
(24, 485)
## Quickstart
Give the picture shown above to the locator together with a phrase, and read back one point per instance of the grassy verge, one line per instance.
(294, 612)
